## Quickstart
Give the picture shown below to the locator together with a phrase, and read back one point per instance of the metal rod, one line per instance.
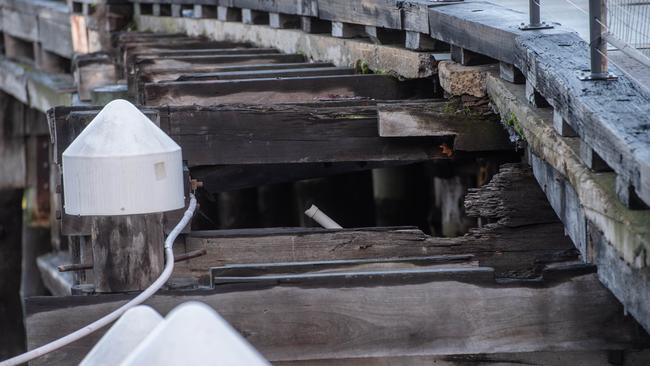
(598, 45)
(533, 11)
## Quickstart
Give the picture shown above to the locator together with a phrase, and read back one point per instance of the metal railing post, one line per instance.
(534, 17)
(597, 44)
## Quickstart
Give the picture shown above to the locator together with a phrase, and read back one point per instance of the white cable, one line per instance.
(107, 319)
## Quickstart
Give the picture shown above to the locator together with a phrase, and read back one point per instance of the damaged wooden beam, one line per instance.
(363, 307)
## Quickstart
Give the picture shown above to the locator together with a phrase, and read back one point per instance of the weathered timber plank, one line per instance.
(261, 74)
(591, 358)
(298, 7)
(19, 24)
(206, 70)
(37, 89)
(379, 320)
(482, 27)
(471, 133)
(381, 13)
(55, 36)
(614, 127)
(279, 90)
(341, 52)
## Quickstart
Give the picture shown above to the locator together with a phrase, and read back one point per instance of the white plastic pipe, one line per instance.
(102, 322)
(323, 220)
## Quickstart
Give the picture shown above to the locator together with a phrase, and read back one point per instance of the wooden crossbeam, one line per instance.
(370, 316)
(298, 89)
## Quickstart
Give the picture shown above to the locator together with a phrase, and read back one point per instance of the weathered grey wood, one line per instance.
(481, 27)
(11, 320)
(534, 97)
(415, 15)
(283, 21)
(19, 49)
(347, 30)
(591, 159)
(278, 134)
(92, 71)
(287, 90)
(380, 13)
(206, 70)
(228, 14)
(315, 25)
(471, 132)
(273, 73)
(250, 16)
(422, 42)
(561, 126)
(127, 251)
(385, 36)
(511, 73)
(292, 7)
(19, 24)
(236, 59)
(610, 126)
(466, 57)
(624, 230)
(363, 322)
(55, 36)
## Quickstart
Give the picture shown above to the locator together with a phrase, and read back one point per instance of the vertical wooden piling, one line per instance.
(128, 251)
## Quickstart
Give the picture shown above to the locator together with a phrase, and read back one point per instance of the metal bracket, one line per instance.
(587, 75)
(542, 25)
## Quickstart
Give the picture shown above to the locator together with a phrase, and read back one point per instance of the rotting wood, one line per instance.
(472, 132)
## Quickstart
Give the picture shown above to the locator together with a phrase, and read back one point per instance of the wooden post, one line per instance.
(128, 251)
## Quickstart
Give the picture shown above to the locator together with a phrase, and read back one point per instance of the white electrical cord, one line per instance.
(102, 322)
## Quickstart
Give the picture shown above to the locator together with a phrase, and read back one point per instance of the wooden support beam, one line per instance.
(385, 36)
(205, 71)
(379, 13)
(273, 73)
(364, 308)
(347, 30)
(283, 90)
(228, 14)
(127, 251)
(92, 71)
(315, 25)
(283, 21)
(250, 16)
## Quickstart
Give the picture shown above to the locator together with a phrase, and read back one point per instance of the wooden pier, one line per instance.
(495, 207)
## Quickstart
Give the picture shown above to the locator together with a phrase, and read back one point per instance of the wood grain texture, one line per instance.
(614, 128)
(471, 132)
(381, 13)
(279, 90)
(314, 322)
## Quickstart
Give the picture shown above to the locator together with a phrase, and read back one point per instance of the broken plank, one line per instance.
(471, 132)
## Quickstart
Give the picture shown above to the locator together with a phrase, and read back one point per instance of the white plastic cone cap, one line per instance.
(123, 337)
(122, 164)
(194, 334)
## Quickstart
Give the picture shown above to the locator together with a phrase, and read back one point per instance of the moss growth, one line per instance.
(513, 122)
(361, 66)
